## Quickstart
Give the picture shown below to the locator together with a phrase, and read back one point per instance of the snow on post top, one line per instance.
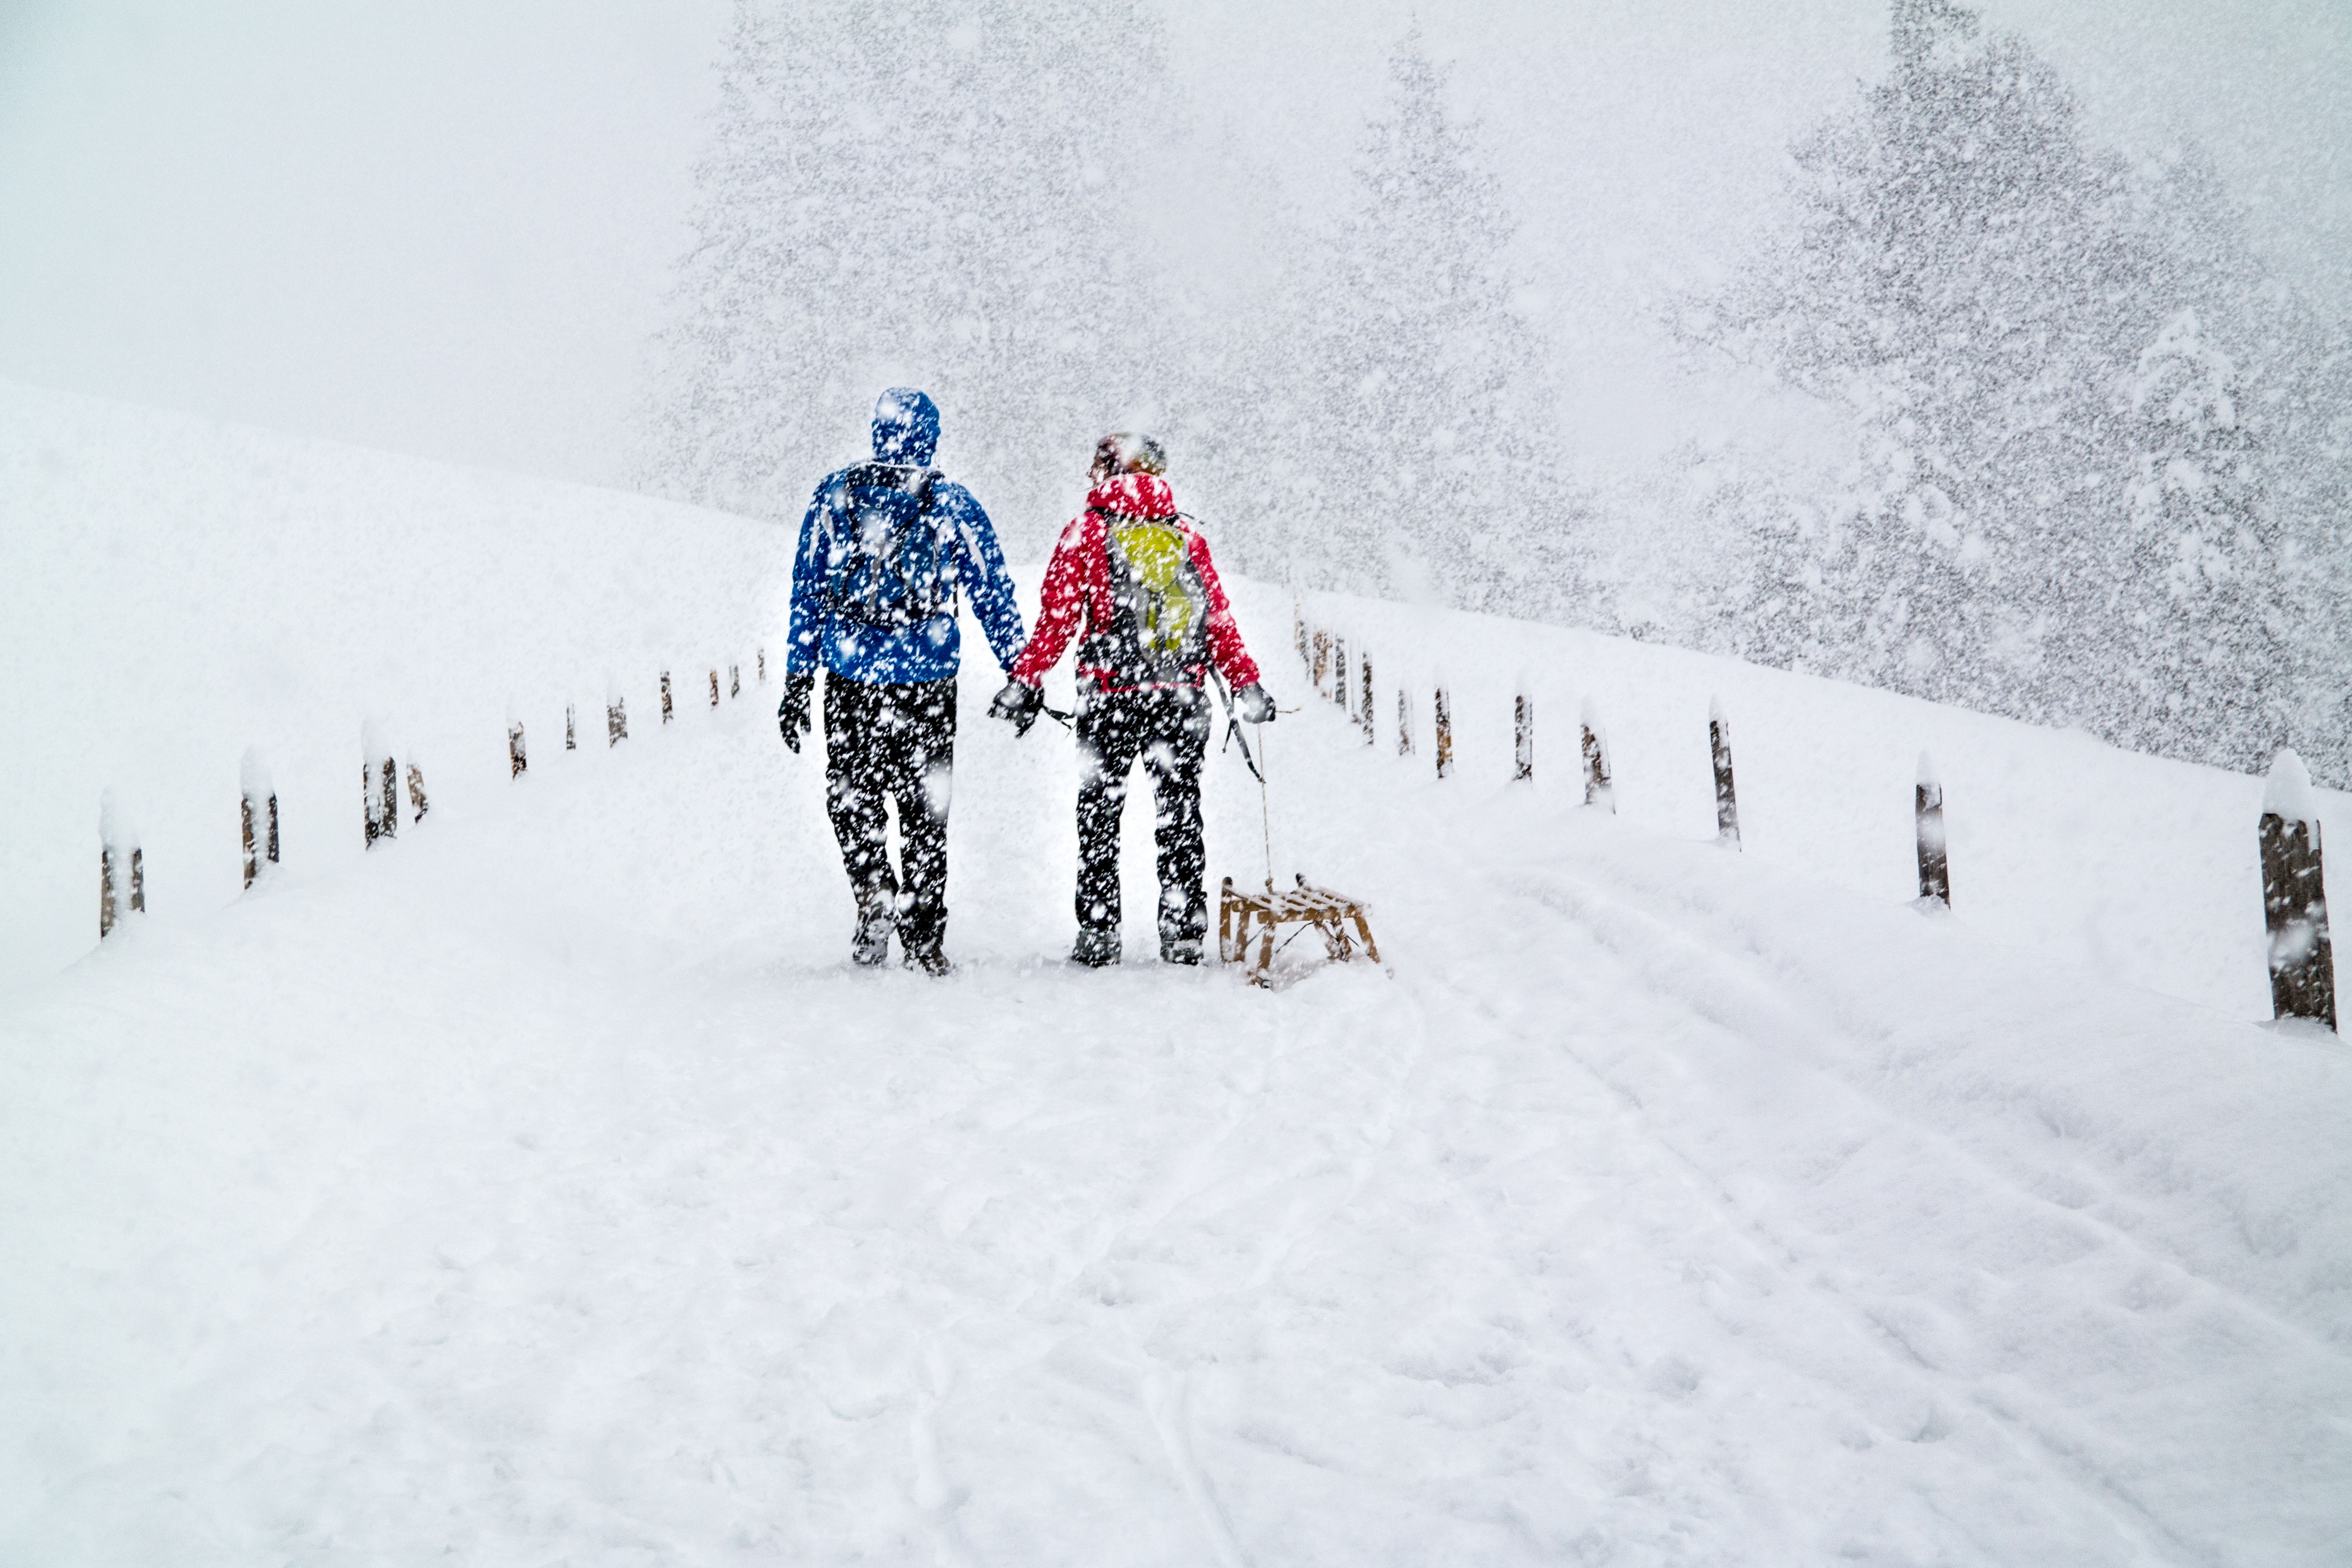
(253, 775)
(2287, 795)
(114, 830)
(1927, 773)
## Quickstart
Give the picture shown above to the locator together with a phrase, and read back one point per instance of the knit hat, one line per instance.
(1125, 453)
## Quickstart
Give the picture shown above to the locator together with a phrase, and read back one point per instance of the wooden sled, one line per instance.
(1329, 912)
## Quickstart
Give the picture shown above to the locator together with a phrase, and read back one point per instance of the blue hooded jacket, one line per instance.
(886, 613)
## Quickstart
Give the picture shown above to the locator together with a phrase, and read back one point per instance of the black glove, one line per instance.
(1254, 705)
(1018, 705)
(792, 713)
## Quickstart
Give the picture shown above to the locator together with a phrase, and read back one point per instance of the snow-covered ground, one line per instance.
(173, 590)
(545, 1187)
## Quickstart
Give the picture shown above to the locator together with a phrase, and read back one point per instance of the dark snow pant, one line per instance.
(1168, 731)
(893, 742)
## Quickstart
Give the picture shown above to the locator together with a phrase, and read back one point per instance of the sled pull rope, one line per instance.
(1233, 733)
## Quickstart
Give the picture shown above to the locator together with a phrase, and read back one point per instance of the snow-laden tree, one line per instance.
(930, 192)
(2203, 590)
(2069, 381)
(1404, 441)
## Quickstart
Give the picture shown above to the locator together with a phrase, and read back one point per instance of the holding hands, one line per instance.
(1018, 705)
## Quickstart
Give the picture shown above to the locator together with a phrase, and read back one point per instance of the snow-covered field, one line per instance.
(545, 1187)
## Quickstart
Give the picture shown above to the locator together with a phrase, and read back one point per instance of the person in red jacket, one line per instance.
(1132, 582)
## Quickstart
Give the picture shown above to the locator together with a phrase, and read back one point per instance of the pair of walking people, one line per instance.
(883, 550)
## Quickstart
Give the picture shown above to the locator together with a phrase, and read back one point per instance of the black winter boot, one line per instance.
(932, 959)
(877, 919)
(1095, 947)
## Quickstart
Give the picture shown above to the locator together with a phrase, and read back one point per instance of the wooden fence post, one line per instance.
(1340, 672)
(258, 808)
(1522, 737)
(571, 730)
(378, 787)
(2295, 897)
(763, 667)
(1405, 722)
(1369, 725)
(616, 715)
(1298, 634)
(1726, 801)
(666, 709)
(1935, 865)
(714, 689)
(416, 789)
(517, 761)
(1599, 788)
(121, 874)
(1322, 657)
(734, 680)
(1444, 734)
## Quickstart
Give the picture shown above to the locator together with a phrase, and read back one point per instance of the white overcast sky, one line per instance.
(444, 227)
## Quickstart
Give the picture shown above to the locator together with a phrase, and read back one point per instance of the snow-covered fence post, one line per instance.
(1340, 672)
(734, 680)
(1726, 801)
(665, 707)
(379, 786)
(1367, 662)
(571, 730)
(763, 667)
(1599, 788)
(714, 689)
(1935, 867)
(1322, 657)
(121, 868)
(2295, 897)
(1405, 722)
(1299, 633)
(417, 788)
(257, 807)
(518, 759)
(616, 715)
(1523, 736)
(1445, 723)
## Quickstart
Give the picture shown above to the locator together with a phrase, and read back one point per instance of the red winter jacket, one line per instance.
(1134, 582)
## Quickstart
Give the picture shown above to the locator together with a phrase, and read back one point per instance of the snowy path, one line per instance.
(546, 1190)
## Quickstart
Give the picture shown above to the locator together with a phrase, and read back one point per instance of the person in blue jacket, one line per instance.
(882, 550)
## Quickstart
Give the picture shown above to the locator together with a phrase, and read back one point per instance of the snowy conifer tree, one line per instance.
(929, 193)
(2033, 343)
(1414, 442)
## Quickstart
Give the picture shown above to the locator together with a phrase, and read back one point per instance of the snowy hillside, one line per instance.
(178, 590)
(544, 1186)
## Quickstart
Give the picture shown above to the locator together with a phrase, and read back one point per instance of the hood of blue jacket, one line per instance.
(906, 428)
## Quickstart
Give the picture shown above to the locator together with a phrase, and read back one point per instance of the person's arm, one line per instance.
(1062, 606)
(1224, 634)
(805, 641)
(979, 562)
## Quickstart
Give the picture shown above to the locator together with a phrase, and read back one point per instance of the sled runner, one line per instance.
(1328, 913)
